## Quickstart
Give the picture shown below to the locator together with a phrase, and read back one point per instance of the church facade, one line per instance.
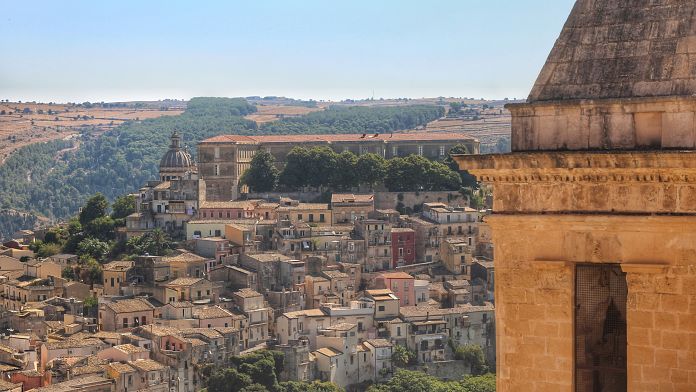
(594, 222)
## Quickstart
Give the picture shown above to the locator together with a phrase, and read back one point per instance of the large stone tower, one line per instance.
(594, 220)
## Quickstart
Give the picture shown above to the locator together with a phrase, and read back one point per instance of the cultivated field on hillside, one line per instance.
(26, 123)
(270, 113)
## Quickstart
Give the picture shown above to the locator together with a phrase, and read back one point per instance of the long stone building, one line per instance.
(223, 159)
(594, 220)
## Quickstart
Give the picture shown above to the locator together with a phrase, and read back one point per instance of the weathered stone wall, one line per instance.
(663, 122)
(535, 259)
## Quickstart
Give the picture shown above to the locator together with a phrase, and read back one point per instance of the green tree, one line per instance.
(90, 304)
(48, 249)
(473, 356)
(229, 379)
(256, 387)
(90, 270)
(409, 381)
(485, 383)
(262, 175)
(402, 356)
(122, 207)
(303, 386)
(101, 228)
(321, 167)
(371, 169)
(68, 273)
(94, 248)
(468, 180)
(294, 174)
(95, 207)
(345, 176)
(154, 243)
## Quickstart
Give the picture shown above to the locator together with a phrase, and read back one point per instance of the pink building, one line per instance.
(401, 284)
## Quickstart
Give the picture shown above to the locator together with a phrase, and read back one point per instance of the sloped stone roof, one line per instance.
(622, 49)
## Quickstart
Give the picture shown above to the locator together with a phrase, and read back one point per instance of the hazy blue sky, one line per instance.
(124, 50)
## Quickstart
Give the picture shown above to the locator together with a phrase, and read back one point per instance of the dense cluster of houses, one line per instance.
(334, 286)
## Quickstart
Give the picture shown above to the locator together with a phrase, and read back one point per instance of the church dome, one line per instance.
(176, 157)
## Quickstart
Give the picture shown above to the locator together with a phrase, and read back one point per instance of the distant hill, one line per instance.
(54, 178)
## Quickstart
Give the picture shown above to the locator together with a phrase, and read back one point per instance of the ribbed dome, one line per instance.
(175, 157)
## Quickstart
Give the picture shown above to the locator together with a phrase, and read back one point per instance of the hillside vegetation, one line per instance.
(357, 119)
(53, 179)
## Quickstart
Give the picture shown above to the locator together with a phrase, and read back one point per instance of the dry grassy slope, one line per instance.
(18, 129)
(270, 113)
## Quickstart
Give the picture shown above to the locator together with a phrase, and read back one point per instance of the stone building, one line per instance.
(172, 200)
(223, 159)
(594, 210)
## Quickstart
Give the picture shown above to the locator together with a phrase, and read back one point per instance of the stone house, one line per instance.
(199, 291)
(337, 357)
(456, 255)
(188, 265)
(377, 235)
(347, 208)
(122, 315)
(69, 348)
(124, 353)
(212, 317)
(257, 313)
(115, 274)
(296, 212)
(377, 356)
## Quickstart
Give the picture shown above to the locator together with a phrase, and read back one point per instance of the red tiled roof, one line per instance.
(356, 137)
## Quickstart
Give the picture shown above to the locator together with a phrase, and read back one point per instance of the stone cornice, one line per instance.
(632, 222)
(595, 167)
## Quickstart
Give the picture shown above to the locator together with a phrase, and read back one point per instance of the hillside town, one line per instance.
(338, 288)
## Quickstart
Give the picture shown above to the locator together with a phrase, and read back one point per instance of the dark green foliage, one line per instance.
(413, 381)
(262, 175)
(402, 356)
(322, 167)
(94, 248)
(416, 173)
(223, 380)
(122, 207)
(258, 372)
(296, 164)
(315, 386)
(68, 273)
(357, 119)
(95, 207)
(473, 355)
(101, 228)
(346, 177)
(468, 181)
(154, 243)
(48, 249)
(371, 169)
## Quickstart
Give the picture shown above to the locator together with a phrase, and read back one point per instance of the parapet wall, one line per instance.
(618, 124)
